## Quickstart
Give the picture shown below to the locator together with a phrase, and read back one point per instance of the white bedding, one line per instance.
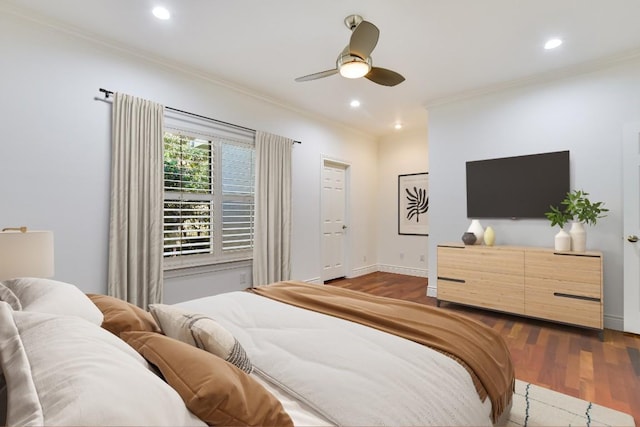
(331, 371)
(301, 413)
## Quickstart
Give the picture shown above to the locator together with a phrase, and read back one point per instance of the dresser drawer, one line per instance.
(568, 302)
(562, 266)
(505, 296)
(480, 260)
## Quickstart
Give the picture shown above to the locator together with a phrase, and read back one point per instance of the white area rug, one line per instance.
(538, 406)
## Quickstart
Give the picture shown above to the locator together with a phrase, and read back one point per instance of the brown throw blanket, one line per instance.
(479, 347)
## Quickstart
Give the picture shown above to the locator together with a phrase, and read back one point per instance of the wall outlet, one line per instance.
(421, 258)
(401, 255)
(364, 258)
(243, 278)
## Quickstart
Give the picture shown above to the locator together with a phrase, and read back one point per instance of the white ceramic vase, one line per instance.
(578, 237)
(562, 241)
(476, 228)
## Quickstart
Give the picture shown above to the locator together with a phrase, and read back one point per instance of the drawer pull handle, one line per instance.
(577, 255)
(449, 279)
(560, 294)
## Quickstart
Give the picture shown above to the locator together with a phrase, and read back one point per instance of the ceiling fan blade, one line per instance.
(319, 75)
(364, 39)
(384, 77)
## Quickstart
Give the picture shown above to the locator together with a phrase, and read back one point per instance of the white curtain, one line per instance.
(135, 229)
(272, 236)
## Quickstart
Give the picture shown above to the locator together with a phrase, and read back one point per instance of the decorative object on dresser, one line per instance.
(578, 237)
(575, 206)
(24, 252)
(489, 236)
(564, 287)
(468, 238)
(476, 228)
(562, 240)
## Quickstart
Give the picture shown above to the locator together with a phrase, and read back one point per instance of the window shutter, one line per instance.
(238, 196)
(188, 195)
(187, 227)
(209, 196)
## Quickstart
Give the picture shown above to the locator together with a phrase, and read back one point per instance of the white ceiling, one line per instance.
(446, 49)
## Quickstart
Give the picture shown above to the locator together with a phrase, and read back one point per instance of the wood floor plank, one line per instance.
(567, 359)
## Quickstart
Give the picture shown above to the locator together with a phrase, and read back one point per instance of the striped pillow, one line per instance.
(200, 331)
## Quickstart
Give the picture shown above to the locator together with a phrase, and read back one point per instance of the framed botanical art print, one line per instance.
(413, 204)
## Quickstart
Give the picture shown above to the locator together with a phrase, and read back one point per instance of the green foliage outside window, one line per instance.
(187, 165)
(187, 169)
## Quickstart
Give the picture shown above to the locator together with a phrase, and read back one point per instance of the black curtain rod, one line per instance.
(108, 93)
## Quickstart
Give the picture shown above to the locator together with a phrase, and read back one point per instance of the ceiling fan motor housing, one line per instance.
(352, 21)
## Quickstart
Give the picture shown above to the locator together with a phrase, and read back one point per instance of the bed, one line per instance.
(289, 353)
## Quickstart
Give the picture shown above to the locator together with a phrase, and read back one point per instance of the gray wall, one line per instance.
(398, 154)
(584, 114)
(55, 152)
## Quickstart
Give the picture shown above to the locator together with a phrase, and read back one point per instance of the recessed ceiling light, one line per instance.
(398, 126)
(552, 44)
(355, 103)
(161, 13)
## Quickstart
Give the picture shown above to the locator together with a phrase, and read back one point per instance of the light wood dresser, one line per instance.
(563, 287)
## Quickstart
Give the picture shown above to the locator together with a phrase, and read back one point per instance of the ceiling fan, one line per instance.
(355, 60)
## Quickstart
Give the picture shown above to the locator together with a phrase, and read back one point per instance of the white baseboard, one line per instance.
(418, 272)
(361, 271)
(368, 269)
(432, 291)
(613, 322)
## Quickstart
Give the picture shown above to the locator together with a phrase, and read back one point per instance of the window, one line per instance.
(208, 199)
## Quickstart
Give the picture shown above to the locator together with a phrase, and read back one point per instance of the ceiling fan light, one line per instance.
(161, 13)
(552, 44)
(354, 69)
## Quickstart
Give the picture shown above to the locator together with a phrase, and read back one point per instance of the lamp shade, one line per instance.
(26, 254)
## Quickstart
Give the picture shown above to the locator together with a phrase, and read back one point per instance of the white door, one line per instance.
(631, 193)
(333, 221)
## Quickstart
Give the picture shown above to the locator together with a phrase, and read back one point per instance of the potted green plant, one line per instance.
(583, 209)
(560, 217)
(576, 206)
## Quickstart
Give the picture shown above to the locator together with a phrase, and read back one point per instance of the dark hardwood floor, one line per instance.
(567, 359)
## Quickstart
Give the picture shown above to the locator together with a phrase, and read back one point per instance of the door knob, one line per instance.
(344, 227)
(633, 238)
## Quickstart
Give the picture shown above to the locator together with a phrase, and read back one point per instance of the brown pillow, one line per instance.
(213, 389)
(121, 316)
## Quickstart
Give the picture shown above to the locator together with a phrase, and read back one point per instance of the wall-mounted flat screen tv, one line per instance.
(517, 187)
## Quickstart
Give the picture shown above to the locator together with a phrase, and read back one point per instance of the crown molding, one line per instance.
(562, 73)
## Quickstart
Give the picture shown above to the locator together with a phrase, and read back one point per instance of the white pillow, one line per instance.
(9, 297)
(51, 296)
(62, 370)
(200, 331)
